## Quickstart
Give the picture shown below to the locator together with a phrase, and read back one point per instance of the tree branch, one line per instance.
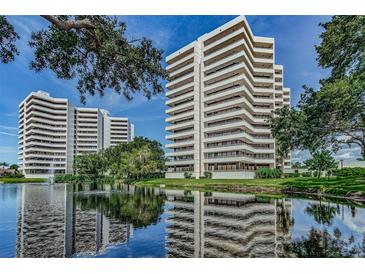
(77, 24)
(68, 25)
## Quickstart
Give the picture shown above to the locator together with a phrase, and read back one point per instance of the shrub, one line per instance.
(307, 174)
(350, 171)
(316, 174)
(291, 175)
(85, 179)
(15, 175)
(187, 175)
(266, 173)
(208, 175)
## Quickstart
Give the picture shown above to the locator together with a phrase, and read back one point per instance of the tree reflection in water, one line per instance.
(322, 213)
(140, 208)
(321, 244)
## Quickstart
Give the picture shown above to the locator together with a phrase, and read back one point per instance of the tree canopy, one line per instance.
(284, 127)
(95, 51)
(90, 164)
(334, 115)
(342, 47)
(321, 161)
(139, 159)
(322, 244)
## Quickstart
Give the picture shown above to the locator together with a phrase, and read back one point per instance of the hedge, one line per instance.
(350, 171)
(267, 173)
(70, 178)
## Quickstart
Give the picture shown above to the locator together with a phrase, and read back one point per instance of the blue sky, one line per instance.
(295, 37)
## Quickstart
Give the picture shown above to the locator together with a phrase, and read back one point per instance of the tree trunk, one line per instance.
(282, 166)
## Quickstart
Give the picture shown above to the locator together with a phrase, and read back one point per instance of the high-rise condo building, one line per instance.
(52, 131)
(223, 87)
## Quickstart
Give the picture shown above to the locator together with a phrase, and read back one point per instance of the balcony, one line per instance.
(187, 88)
(179, 162)
(179, 108)
(180, 135)
(180, 144)
(181, 81)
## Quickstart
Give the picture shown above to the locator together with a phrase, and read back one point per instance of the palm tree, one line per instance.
(323, 214)
(321, 161)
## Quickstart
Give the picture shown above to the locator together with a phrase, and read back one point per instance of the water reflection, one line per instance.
(322, 244)
(57, 221)
(54, 221)
(226, 225)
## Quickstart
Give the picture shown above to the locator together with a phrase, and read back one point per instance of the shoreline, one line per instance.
(341, 188)
(22, 180)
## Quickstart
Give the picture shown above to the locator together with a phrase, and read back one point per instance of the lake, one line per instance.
(42, 220)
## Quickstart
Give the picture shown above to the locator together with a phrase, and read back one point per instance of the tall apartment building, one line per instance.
(223, 87)
(52, 131)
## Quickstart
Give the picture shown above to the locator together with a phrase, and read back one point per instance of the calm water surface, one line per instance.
(41, 220)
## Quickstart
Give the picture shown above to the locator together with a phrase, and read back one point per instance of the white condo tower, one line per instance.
(223, 87)
(52, 131)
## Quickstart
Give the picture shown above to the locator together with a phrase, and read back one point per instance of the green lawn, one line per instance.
(22, 180)
(333, 186)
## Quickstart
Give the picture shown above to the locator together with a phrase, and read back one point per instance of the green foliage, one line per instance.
(139, 159)
(8, 37)
(94, 50)
(188, 175)
(90, 164)
(350, 172)
(84, 179)
(317, 174)
(322, 244)
(14, 166)
(333, 116)
(141, 209)
(343, 45)
(137, 163)
(284, 128)
(323, 214)
(267, 173)
(22, 180)
(292, 175)
(297, 165)
(307, 174)
(208, 174)
(15, 175)
(321, 161)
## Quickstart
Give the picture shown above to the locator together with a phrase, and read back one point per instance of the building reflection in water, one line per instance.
(52, 224)
(53, 221)
(226, 225)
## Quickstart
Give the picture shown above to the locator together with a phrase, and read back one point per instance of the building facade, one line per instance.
(223, 87)
(52, 131)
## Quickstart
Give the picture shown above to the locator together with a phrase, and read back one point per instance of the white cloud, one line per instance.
(351, 153)
(356, 224)
(343, 156)
(7, 133)
(8, 128)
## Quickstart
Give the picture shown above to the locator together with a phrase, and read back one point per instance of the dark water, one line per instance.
(40, 220)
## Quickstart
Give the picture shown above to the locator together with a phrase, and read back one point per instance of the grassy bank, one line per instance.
(22, 180)
(349, 186)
